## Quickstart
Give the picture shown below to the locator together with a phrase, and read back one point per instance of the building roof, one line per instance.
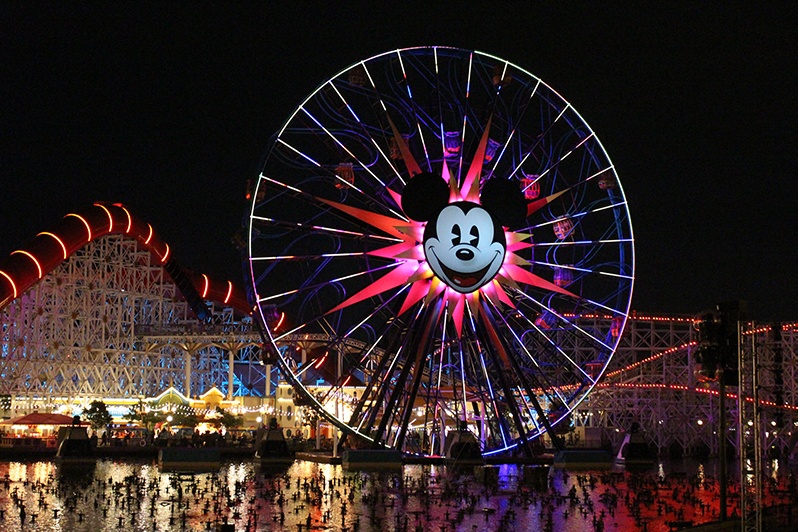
(38, 418)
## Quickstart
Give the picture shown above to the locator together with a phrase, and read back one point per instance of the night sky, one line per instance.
(169, 109)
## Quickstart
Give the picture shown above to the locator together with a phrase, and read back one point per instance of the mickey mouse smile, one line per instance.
(463, 281)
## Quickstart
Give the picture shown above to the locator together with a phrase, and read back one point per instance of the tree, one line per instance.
(97, 415)
(227, 419)
(185, 419)
(147, 419)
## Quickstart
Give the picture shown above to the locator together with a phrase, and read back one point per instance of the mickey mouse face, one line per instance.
(464, 242)
(463, 246)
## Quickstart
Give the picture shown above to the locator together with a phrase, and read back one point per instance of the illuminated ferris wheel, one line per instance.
(437, 224)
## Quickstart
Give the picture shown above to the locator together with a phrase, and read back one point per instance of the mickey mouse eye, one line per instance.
(457, 232)
(474, 236)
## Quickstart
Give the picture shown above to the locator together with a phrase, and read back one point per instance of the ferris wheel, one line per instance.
(451, 247)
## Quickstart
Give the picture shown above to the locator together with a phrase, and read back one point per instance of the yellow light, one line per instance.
(82, 219)
(61, 242)
(10, 280)
(29, 255)
(110, 218)
(205, 287)
(129, 218)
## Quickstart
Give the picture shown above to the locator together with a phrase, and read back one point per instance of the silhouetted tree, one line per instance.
(97, 415)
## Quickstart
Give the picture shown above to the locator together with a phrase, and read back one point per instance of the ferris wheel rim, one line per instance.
(628, 277)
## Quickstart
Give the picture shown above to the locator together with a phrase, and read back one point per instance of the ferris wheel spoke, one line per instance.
(615, 312)
(514, 130)
(506, 370)
(410, 162)
(545, 134)
(554, 345)
(563, 229)
(586, 334)
(576, 370)
(538, 204)
(382, 379)
(555, 164)
(311, 288)
(365, 166)
(492, 395)
(340, 181)
(380, 309)
(571, 267)
(375, 143)
(464, 121)
(412, 102)
(438, 89)
(611, 206)
(310, 200)
(569, 243)
(418, 342)
(315, 229)
(281, 258)
(493, 402)
(540, 381)
(363, 417)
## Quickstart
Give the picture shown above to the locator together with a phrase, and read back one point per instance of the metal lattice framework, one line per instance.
(651, 383)
(110, 322)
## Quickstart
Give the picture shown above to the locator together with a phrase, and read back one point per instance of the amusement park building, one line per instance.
(99, 309)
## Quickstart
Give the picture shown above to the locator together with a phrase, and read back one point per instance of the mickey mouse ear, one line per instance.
(504, 200)
(424, 196)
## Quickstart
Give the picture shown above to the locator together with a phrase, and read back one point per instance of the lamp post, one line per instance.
(717, 360)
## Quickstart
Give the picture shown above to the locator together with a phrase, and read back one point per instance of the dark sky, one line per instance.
(168, 107)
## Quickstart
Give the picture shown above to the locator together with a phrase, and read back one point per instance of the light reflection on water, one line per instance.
(131, 496)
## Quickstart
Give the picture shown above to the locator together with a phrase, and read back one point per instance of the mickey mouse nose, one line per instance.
(464, 254)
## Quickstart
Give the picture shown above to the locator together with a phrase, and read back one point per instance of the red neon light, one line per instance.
(349, 378)
(61, 242)
(321, 361)
(651, 358)
(82, 219)
(149, 236)
(205, 288)
(166, 254)
(683, 388)
(35, 261)
(229, 292)
(10, 280)
(632, 316)
(110, 218)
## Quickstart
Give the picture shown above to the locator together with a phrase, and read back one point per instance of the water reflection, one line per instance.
(137, 496)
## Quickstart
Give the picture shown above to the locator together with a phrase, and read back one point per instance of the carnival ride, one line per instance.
(98, 307)
(108, 322)
(382, 347)
(470, 318)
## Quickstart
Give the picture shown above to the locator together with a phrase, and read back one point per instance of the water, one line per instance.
(109, 495)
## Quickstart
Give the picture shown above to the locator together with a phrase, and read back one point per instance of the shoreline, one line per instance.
(147, 451)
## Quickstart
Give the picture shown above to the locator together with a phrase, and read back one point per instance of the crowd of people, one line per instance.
(165, 437)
